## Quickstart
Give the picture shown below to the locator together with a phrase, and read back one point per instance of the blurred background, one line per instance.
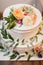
(5, 3)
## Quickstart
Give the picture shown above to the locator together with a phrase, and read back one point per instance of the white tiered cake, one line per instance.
(22, 22)
(28, 20)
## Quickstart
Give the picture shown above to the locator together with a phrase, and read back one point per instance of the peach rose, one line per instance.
(18, 14)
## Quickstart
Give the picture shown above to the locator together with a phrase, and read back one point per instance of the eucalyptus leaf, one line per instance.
(1, 47)
(26, 53)
(10, 37)
(17, 40)
(10, 18)
(4, 33)
(17, 53)
(20, 56)
(7, 19)
(11, 25)
(33, 51)
(29, 56)
(39, 33)
(16, 45)
(23, 41)
(13, 56)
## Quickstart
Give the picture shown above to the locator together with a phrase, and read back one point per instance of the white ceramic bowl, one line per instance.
(24, 32)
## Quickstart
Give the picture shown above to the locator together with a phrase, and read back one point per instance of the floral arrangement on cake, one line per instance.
(21, 16)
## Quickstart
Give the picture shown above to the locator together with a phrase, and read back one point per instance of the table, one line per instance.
(21, 62)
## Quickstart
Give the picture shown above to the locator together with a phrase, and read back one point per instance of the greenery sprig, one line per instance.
(11, 21)
(5, 34)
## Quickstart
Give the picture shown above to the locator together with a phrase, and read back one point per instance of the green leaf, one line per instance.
(39, 28)
(4, 33)
(20, 56)
(26, 53)
(27, 10)
(33, 50)
(7, 19)
(13, 56)
(16, 45)
(17, 40)
(29, 56)
(10, 37)
(15, 52)
(1, 47)
(11, 25)
(10, 18)
(39, 33)
(23, 41)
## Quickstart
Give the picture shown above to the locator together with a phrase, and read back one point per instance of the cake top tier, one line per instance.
(22, 17)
